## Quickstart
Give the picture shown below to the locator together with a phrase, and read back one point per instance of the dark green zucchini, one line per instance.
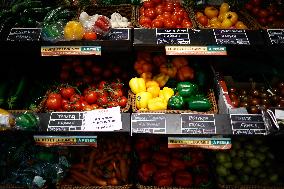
(49, 16)
(17, 8)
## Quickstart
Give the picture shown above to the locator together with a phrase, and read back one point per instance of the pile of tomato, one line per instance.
(163, 14)
(164, 167)
(103, 95)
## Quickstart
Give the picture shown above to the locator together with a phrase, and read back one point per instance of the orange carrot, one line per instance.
(80, 178)
(97, 180)
(123, 169)
(91, 162)
(112, 181)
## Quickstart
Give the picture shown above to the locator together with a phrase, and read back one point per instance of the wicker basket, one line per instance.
(126, 10)
(210, 96)
(249, 187)
(188, 10)
(250, 23)
(42, 108)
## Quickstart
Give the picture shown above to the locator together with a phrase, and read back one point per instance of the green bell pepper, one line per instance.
(198, 103)
(27, 121)
(176, 102)
(186, 89)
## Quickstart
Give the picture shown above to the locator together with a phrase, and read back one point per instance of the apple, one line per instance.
(279, 14)
(249, 6)
(255, 10)
(211, 12)
(198, 14)
(216, 25)
(263, 13)
(240, 25)
(213, 20)
(256, 2)
(262, 21)
(232, 16)
(272, 9)
(203, 20)
(221, 17)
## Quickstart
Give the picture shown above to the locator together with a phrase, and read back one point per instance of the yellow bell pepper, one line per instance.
(157, 103)
(166, 93)
(161, 79)
(142, 100)
(154, 90)
(73, 30)
(137, 85)
(146, 76)
(151, 83)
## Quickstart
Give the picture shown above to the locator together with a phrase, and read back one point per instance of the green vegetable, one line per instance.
(237, 163)
(25, 5)
(228, 165)
(3, 91)
(247, 169)
(27, 121)
(176, 103)
(13, 99)
(199, 104)
(221, 171)
(249, 154)
(244, 178)
(4, 14)
(50, 15)
(254, 163)
(221, 157)
(186, 89)
(171, 83)
(231, 179)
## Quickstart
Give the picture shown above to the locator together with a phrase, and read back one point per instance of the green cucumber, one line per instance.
(49, 16)
(17, 8)
(35, 13)
(13, 99)
(64, 14)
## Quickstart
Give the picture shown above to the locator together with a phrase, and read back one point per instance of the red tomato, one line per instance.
(88, 79)
(102, 93)
(102, 101)
(103, 85)
(96, 70)
(107, 73)
(66, 106)
(160, 59)
(167, 15)
(177, 5)
(159, 9)
(148, 169)
(150, 12)
(91, 97)
(156, 23)
(122, 101)
(84, 103)
(181, 12)
(115, 94)
(186, 24)
(67, 92)
(54, 95)
(53, 103)
(77, 106)
(75, 98)
(146, 25)
(112, 104)
(160, 17)
(87, 108)
(148, 4)
(144, 155)
(178, 26)
(116, 85)
(169, 6)
(177, 18)
(163, 177)
(116, 70)
(88, 63)
(79, 70)
(95, 106)
(169, 23)
(176, 164)
(90, 36)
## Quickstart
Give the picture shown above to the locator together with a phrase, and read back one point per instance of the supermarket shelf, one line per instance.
(178, 125)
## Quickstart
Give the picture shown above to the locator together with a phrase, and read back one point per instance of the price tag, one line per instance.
(24, 34)
(231, 37)
(195, 50)
(148, 123)
(96, 120)
(198, 124)
(247, 124)
(119, 34)
(66, 140)
(66, 121)
(172, 36)
(276, 36)
(103, 119)
(70, 50)
(206, 143)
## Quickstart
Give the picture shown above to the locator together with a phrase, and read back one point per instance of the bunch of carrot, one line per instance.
(106, 165)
